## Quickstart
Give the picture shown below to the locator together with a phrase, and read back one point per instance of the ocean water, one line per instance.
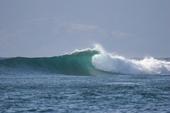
(37, 93)
(84, 81)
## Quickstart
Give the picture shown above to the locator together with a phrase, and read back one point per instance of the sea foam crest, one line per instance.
(119, 64)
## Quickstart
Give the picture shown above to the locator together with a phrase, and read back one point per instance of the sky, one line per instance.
(133, 28)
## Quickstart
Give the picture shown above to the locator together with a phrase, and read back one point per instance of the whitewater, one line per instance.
(119, 64)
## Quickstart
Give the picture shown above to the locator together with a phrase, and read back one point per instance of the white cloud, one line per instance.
(118, 34)
(81, 28)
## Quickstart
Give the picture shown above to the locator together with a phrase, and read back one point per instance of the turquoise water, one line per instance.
(43, 93)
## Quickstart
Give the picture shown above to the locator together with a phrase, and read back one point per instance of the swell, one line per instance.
(77, 63)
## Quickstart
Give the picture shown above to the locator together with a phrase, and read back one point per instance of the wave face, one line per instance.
(85, 62)
(77, 63)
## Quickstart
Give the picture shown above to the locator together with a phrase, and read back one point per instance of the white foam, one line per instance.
(119, 64)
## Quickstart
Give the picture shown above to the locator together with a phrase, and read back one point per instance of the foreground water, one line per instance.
(84, 94)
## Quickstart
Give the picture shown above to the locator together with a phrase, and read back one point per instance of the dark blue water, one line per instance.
(84, 94)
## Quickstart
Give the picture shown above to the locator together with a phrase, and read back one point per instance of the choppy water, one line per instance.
(84, 94)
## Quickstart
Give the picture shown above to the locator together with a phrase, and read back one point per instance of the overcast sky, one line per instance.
(133, 28)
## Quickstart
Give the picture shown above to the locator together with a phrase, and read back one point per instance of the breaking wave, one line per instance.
(85, 62)
(122, 65)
